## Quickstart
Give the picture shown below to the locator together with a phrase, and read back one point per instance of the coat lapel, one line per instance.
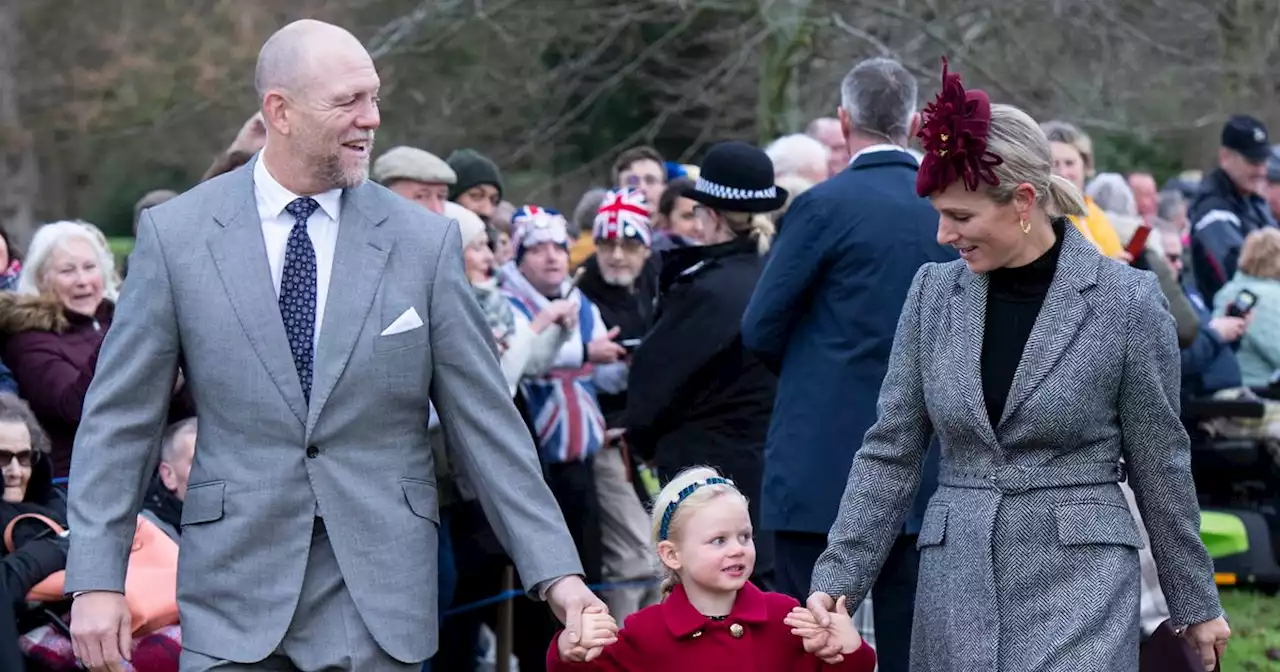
(968, 328)
(1061, 316)
(358, 261)
(240, 255)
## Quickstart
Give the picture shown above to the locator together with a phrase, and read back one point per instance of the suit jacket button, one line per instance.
(696, 634)
(736, 630)
(312, 451)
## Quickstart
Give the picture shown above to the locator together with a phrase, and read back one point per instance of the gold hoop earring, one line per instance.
(1026, 226)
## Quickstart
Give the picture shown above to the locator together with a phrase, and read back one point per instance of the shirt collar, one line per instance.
(684, 620)
(882, 147)
(277, 198)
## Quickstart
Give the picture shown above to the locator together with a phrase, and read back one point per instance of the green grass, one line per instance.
(1255, 631)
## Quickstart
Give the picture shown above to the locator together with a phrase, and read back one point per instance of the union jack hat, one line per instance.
(623, 215)
(534, 225)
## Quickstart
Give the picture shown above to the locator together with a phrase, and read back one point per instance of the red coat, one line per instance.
(674, 637)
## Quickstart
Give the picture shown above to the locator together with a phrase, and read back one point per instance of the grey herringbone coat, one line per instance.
(1028, 551)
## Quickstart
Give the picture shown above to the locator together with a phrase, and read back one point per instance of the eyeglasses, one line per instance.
(24, 457)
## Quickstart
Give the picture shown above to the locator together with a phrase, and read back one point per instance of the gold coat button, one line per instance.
(736, 630)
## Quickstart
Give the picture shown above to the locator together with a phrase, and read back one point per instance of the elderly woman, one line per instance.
(1040, 366)
(55, 324)
(1259, 274)
(28, 489)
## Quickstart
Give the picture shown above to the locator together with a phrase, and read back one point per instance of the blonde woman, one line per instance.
(1073, 160)
(695, 394)
(1047, 373)
(1259, 274)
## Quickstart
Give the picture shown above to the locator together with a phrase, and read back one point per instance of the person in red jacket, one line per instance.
(712, 617)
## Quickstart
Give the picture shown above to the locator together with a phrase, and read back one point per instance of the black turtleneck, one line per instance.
(1014, 298)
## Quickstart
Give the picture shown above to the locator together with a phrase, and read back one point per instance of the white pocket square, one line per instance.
(408, 321)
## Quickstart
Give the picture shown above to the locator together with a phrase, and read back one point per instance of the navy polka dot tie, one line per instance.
(298, 291)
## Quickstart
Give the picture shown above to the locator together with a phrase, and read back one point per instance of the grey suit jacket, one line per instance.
(199, 294)
(1028, 550)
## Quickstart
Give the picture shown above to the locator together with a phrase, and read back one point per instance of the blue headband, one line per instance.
(684, 494)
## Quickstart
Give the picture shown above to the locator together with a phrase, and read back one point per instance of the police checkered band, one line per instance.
(623, 215)
(733, 193)
(534, 225)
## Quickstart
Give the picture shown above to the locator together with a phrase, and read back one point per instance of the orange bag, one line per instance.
(150, 586)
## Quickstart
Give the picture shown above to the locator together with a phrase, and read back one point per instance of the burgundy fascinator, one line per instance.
(953, 133)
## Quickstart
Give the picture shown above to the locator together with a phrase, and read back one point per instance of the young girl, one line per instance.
(712, 618)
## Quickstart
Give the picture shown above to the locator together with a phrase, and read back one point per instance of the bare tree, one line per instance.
(18, 177)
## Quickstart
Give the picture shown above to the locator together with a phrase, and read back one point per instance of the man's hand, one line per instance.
(821, 606)
(604, 351)
(101, 630)
(570, 599)
(1229, 329)
(1210, 640)
(599, 630)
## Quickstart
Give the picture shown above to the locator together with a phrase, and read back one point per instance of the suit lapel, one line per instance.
(358, 261)
(1061, 316)
(968, 328)
(240, 255)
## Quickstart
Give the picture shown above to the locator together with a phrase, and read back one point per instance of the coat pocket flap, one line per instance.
(1082, 523)
(203, 503)
(421, 497)
(933, 529)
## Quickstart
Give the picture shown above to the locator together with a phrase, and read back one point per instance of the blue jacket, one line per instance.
(824, 315)
(1208, 364)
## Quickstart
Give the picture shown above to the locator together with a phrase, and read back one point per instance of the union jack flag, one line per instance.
(532, 225)
(623, 214)
(567, 421)
(566, 417)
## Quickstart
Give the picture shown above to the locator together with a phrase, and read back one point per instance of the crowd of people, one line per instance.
(745, 314)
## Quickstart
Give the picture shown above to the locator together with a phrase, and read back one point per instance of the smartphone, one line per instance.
(1139, 241)
(630, 344)
(1244, 303)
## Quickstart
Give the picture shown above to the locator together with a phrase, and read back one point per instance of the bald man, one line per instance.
(315, 314)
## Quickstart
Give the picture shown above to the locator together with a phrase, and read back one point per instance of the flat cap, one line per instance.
(411, 163)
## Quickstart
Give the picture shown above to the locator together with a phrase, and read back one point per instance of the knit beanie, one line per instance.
(469, 223)
(473, 169)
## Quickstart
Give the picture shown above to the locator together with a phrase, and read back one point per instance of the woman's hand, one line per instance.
(830, 643)
(1209, 639)
(564, 313)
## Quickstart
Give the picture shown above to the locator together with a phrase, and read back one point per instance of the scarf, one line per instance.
(496, 308)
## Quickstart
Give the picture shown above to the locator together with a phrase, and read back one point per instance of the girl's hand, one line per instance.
(840, 632)
(599, 630)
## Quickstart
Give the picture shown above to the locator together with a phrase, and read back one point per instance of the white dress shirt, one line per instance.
(882, 147)
(322, 226)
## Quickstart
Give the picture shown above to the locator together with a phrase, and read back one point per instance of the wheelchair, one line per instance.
(1238, 488)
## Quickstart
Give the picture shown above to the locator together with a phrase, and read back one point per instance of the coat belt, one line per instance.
(1012, 479)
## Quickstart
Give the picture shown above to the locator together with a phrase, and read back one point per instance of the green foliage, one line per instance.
(1126, 153)
(1255, 631)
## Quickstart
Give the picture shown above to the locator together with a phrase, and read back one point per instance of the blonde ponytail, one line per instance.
(762, 229)
(759, 226)
(1064, 198)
